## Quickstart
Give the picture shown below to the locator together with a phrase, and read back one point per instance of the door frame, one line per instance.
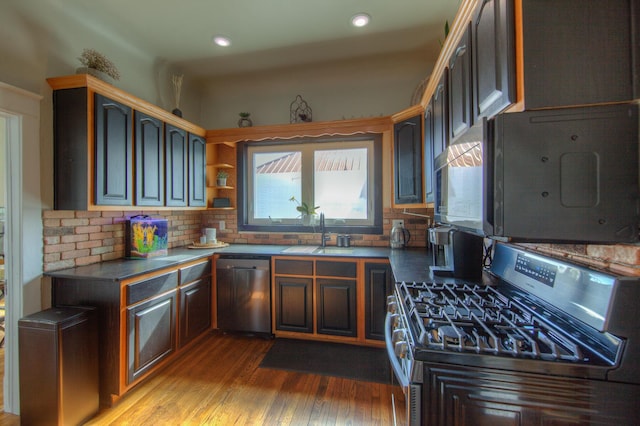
(23, 227)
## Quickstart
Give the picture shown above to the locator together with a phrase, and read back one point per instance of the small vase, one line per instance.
(245, 122)
(221, 181)
(177, 112)
(306, 219)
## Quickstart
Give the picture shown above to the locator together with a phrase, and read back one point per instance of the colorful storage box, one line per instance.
(146, 237)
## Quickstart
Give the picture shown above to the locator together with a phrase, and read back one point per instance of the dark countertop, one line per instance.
(407, 265)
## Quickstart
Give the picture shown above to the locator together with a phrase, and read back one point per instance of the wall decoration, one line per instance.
(300, 111)
(244, 120)
(176, 80)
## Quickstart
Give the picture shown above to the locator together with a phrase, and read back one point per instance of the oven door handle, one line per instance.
(397, 369)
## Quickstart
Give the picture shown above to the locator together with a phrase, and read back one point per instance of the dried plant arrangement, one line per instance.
(93, 59)
(177, 87)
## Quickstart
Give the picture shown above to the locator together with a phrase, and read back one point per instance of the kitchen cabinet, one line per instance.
(150, 333)
(378, 284)
(473, 396)
(149, 132)
(428, 150)
(407, 161)
(197, 171)
(294, 304)
(338, 299)
(460, 118)
(113, 151)
(195, 301)
(493, 71)
(144, 320)
(97, 130)
(176, 167)
(440, 102)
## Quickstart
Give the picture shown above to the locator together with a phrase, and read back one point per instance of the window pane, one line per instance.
(276, 178)
(340, 182)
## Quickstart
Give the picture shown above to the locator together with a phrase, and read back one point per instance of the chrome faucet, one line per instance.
(324, 237)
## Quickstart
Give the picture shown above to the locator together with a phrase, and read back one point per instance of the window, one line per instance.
(336, 177)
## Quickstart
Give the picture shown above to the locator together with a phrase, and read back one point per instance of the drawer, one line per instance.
(141, 290)
(294, 267)
(193, 272)
(336, 269)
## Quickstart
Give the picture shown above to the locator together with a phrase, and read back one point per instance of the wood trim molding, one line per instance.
(96, 85)
(296, 130)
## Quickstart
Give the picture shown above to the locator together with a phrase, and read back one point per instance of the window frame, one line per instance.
(375, 181)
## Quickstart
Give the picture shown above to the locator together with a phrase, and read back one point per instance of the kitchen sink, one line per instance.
(300, 249)
(333, 250)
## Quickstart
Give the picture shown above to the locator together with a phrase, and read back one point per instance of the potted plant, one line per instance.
(97, 65)
(244, 120)
(306, 210)
(221, 178)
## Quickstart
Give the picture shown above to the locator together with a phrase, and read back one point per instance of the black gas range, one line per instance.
(536, 340)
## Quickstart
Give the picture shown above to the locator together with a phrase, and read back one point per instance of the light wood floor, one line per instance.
(218, 382)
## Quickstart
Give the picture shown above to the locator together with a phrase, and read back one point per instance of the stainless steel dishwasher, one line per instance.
(243, 285)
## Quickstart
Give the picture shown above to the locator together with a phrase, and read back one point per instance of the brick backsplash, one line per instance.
(75, 238)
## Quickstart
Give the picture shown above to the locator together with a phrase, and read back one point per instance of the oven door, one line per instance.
(400, 357)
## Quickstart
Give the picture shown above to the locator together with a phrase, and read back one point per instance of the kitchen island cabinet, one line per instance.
(144, 319)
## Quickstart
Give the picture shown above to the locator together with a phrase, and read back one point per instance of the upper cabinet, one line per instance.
(98, 129)
(493, 70)
(407, 161)
(460, 118)
(535, 54)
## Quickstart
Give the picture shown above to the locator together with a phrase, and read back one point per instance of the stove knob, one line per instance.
(401, 348)
(397, 336)
(395, 320)
(392, 307)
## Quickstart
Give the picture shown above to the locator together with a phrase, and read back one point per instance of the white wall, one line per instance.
(356, 88)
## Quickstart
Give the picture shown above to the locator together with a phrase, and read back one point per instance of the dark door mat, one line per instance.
(329, 359)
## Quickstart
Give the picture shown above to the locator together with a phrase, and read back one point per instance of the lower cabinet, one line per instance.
(336, 301)
(339, 299)
(143, 321)
(378, 284)
(294, 304)
(150, 334)
(195, 309)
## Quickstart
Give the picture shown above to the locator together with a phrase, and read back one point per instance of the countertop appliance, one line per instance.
(455, 253)
(536, 339)
(563, 175)
(243, 286)
(400, 236)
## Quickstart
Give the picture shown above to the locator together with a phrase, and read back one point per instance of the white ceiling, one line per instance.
(264, 33)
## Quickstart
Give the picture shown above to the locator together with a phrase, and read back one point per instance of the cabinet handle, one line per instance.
(439, 90)
(459, 52)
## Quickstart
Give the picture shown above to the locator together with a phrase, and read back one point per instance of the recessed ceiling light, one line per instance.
(360, 20)
(222, 41)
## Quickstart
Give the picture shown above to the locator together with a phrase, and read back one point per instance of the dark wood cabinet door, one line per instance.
(494, 74)
(195, 309)
(440, 103)
(407, 149)
(471, 396)
(460, 119)
(113, 153)
(427, 150)
(197, 171)
(151, 338)
(176, 166)
(378, 282)
(336, 307)
(294, 304)
(149, 160)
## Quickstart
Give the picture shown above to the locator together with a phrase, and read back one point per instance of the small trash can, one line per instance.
(59, 382)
